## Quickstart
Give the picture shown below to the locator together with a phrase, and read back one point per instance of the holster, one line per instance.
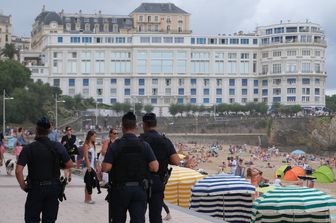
(61, 195)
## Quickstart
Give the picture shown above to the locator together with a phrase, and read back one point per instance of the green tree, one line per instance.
(173, 109)
(148, 108)
(126, 107)
(9, 51)
(331, 103)
(13, 75)
(117, 107)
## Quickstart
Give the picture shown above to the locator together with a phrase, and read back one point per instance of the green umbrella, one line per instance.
(281, 169)
(293, 204)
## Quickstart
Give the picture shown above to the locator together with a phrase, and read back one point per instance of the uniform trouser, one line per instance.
(127, 198)
(156, 200)
(42, 199)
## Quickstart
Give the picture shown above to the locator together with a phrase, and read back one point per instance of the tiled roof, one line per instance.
(159, 8)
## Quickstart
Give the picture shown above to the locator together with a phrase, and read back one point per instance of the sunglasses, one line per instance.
(69, 130)
(115, 133)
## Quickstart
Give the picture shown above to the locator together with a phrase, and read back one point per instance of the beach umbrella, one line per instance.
(223, 196)
(324, 174)
(298, 152)
(294, 173)
(293, 204)
(178, 188)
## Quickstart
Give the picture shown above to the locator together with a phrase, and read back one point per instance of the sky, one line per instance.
(207, 16)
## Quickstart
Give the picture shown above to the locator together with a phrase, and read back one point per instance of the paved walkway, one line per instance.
(12, 200)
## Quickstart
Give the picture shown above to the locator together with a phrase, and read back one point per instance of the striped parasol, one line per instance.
(293, 204)
(178, 188)
(224, 196)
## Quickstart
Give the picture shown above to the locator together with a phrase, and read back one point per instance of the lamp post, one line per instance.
(4, 111)
(97, 102)
(56, 108)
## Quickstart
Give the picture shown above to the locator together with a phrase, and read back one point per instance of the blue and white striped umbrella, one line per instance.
(224, 196)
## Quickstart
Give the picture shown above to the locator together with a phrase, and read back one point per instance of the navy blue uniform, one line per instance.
(44, 186)
(127, 195)
(156, 200)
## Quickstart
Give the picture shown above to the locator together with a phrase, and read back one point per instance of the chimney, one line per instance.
(43, 8)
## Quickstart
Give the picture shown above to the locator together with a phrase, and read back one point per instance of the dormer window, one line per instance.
(87, 27)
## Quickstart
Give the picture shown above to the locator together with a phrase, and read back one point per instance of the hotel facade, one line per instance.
(152, 57)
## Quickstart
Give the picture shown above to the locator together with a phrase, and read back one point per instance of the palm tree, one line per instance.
(8, 51)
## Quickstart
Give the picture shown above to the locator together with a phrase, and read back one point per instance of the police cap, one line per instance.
(43, 123)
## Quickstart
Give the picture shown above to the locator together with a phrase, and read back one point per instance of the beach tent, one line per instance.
(281, 170)
(178, 188)
(293, 204)
(294, 173)
(298, 152)
(223, 196)
(324, 174)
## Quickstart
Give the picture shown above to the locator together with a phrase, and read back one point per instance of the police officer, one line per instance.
(130, 161)
(44, 159)
(166, 154)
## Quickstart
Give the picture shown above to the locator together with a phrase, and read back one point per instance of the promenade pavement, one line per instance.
(12, 200)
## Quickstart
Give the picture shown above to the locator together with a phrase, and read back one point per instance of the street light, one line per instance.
(56, 102)
(97, 102)
(4, 111)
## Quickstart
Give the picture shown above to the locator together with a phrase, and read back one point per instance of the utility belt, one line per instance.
(44, 182)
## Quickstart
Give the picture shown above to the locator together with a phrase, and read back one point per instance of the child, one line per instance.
(277, 181)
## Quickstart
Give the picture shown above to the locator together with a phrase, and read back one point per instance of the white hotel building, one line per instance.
(146, 63)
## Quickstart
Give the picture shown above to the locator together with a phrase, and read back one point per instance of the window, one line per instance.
(256, 91)
(180, 82)
(305, 52)
(85, 82)
(317, 53)
(193, 81)
(179, 100)
(181, 91)
(244, 82)
(317, 68)
(264, 69)
(141, 82)
(264, 92)
(264, 83)
(276, 91)
(255, 41)
(206, 82)
(231, 82)
(231, 91)
(156, 39)
(193, 91)
(113, 81)
(219, 91)
(306, 68)
(291, 68)
(113, 91)
(100, 62)
(305, 81)
(60, 39)
(100, 81)
(161, 61)
(291, 53)
(127, 91)
(234, 41)
(219, 100)
(244, 41)
(193, 100)
(276, 68)
(127, 82)
(168, 39)
(74, 39)
(120, 39)
(269, 31)
(276, 39)
(145, 39)
(56, 83)
(244, 67)
(305, 98)
(244, 91)
(99, 92)
(113, 100)
(86, 62)
(154, 100)
(279, 30)
(201, 40)
(232, 67)
(255, 83)
(206, 100)
(199, 62)
(306, 91)
(244, 56)
(141, 91)
(291, 90)
(291, 99)
(291, 29)
(206, 91)
(317, 91)
(264, 55)
(277, 81)
(179, 39)
(87, 39)
(168, 91)
(276, 99)
(120, 62)
(276, 53)
(317, 81)
(232, 56)
(223, 41)
(291, 81)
